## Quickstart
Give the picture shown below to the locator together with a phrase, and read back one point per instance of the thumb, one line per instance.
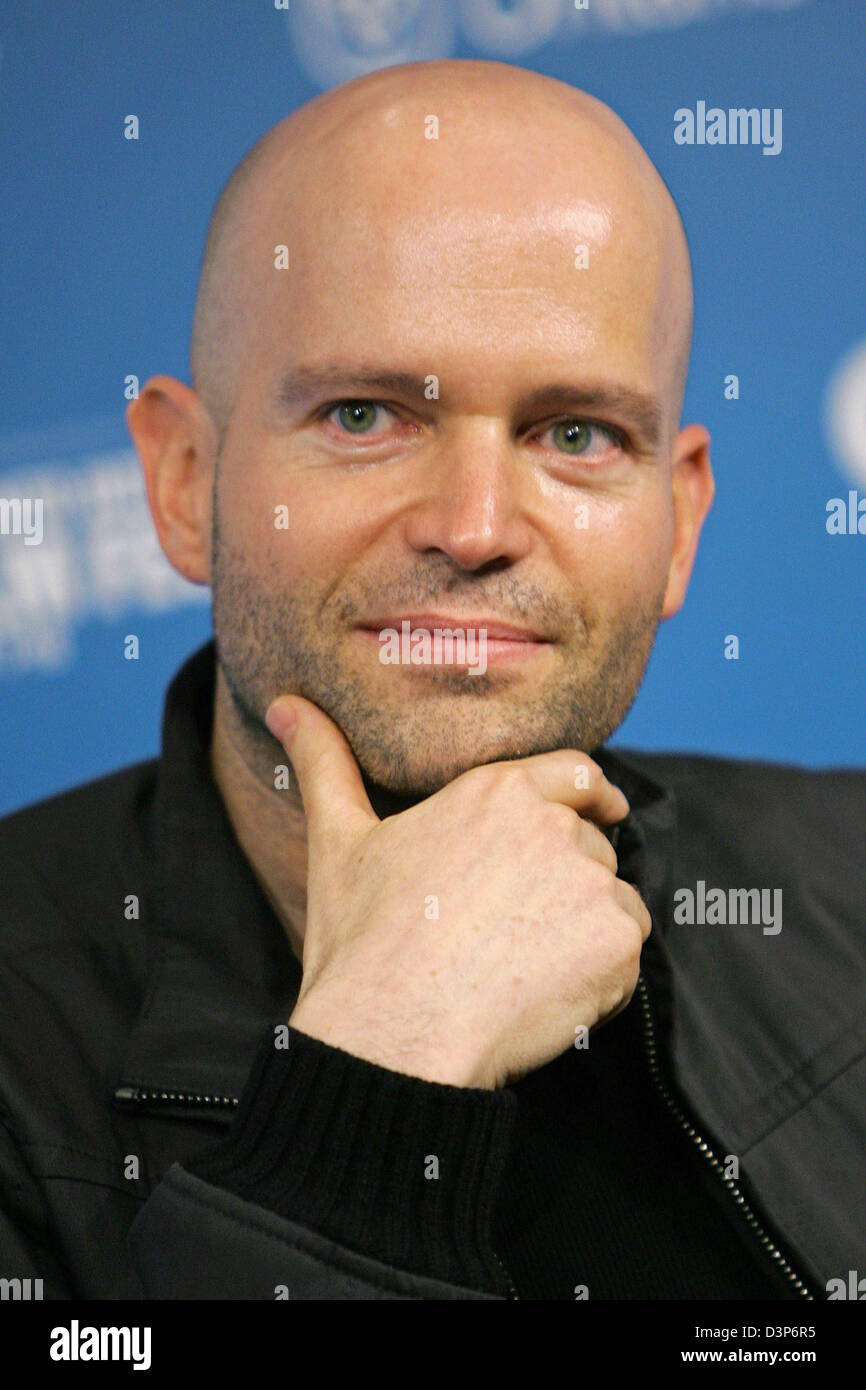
(328, 775)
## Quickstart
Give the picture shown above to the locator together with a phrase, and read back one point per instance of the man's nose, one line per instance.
(474, 501)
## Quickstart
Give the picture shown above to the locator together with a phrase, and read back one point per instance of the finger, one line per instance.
(629, 898)
(328, 775)
(573, 779)
(596, 844)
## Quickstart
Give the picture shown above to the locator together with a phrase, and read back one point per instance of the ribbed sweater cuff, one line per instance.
(399, 1169)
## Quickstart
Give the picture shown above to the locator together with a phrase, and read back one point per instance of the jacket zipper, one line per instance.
(703, 1147)
(143, 1095)
(512, 1292)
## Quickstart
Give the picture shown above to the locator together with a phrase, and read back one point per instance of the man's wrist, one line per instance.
(335, 1026)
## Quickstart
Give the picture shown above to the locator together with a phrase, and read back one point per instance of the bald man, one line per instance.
(352, 992)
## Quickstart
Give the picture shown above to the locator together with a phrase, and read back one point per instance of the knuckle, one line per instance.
(642, 915)
(610, 859)
(596, 879)
(594, 774)
(560, 821)
(499, 778)
(597, 845)
(630, 943)
(318, 764)
(633, 923)
(512, 777)
(637, 937)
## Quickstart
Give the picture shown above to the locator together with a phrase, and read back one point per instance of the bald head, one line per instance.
(513, 147)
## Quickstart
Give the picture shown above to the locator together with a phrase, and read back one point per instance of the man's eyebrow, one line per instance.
(642, 408)
(298, 384)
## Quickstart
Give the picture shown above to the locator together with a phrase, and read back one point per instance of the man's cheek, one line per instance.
(637, 549)
(327, 543)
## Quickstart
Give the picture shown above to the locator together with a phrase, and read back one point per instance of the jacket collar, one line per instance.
(646, 852)
(224, 970)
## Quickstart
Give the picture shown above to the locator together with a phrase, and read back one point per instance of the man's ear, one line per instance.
(693, 491)
(177, 444)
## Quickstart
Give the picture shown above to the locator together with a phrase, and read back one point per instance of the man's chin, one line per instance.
(387, 802)
(390, 798)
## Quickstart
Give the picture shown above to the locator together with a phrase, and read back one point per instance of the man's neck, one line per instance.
(269, 823)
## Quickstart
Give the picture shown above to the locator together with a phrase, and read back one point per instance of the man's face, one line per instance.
(550, 514)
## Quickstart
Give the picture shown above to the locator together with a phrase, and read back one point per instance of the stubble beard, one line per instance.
(270, 642)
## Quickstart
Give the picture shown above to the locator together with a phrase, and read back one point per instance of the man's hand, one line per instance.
(534, 935)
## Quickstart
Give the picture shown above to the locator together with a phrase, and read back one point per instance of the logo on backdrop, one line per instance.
(335, 40)
(845, 412)
(93, 556)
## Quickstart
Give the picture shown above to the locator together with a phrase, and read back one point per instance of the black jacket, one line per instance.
(143, 973)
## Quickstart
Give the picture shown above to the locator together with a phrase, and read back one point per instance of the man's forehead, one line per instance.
(453, 287)
(501, 179)
(369, 225)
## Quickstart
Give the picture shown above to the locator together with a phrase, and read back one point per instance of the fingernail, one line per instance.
(281, 718)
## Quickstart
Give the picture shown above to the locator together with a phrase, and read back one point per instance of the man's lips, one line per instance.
(494, 628)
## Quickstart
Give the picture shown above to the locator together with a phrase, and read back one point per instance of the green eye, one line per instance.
(572, 436)
(357, 416)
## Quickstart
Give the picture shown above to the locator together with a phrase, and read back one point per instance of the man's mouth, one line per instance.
(495, 629)
(467, 640)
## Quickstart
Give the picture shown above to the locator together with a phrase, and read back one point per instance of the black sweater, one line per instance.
(575, 1182)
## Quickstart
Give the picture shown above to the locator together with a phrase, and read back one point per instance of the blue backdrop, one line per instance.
(100, 245)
